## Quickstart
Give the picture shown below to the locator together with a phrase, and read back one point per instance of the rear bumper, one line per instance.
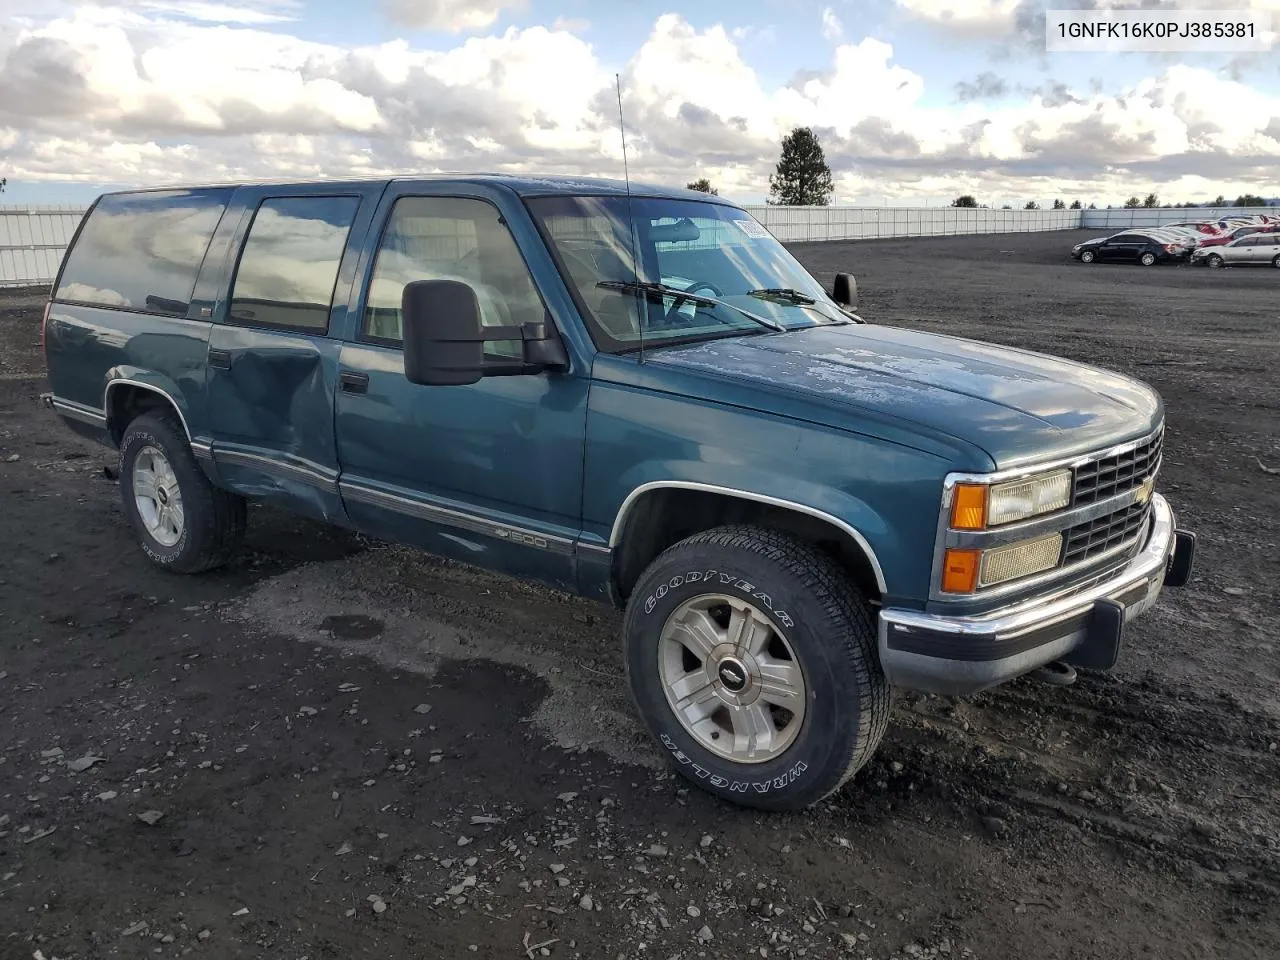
(961, 655)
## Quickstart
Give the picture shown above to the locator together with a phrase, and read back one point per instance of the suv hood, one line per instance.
(1017, 406)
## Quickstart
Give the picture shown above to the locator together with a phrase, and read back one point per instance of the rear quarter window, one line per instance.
(143, 251)
(289, 264)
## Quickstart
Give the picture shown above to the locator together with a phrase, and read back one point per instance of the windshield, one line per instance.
(743, 280)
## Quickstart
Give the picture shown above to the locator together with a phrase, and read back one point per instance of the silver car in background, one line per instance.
(1259, 249)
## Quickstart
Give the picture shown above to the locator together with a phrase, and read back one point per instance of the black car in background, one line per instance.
(1130, 247)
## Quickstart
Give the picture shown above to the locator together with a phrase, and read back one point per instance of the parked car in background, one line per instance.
(1238, 232)
(1207, 229)
(1131, 246)
(1257, 249)
(1183, 237)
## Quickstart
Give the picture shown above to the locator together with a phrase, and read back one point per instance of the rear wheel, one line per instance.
(182, 521)
(1148, 259)
(752, 661)
(1275, 261)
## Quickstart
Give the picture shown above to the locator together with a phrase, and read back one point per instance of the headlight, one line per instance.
(977, 506)
(966, 570)
(1019, 560)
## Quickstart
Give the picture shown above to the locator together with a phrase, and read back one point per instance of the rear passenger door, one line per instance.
(272, 364)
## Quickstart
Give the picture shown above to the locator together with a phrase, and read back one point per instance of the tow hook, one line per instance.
(1057, 674)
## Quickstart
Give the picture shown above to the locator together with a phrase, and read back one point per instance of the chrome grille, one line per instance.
(1111, 476)
(1085, 541)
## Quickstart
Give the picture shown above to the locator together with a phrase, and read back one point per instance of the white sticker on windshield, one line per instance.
(752, 229)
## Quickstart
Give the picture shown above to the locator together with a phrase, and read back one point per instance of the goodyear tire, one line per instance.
(182, 522)
(752, 661)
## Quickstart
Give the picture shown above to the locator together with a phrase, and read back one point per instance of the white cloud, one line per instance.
(107, 94)
(451, 15)
(571, 24)
(986, 17)
(832, 28)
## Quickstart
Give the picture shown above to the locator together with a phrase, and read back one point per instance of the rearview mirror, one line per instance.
(845, 291)
(444, 338)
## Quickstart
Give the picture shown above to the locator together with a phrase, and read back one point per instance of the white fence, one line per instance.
(1118, 219)
(800, 224)
(32, 241)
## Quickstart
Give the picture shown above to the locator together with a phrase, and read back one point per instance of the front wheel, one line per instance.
(1215, 261)
(752, 661)
(1087, 256)
(1148, 259)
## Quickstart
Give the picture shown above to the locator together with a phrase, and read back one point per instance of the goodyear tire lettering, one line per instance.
(734, 786)
(726, 579)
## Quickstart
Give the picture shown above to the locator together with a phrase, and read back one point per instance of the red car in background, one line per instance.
(1239, 232)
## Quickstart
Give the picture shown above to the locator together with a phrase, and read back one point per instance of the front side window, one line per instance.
(712, 251)
(142, 251)
(289, 263)
(451, 238)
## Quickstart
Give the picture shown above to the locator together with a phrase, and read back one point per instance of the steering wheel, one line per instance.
(674, 318)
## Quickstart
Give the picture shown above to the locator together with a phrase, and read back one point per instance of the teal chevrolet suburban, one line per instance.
(635, 394)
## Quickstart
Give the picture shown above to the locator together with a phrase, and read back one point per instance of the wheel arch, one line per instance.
(126, 397)
(660, 513)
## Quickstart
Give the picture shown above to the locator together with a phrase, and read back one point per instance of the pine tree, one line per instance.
(703, 185)
(1075, 204)
(1059, 205)
(803, 177)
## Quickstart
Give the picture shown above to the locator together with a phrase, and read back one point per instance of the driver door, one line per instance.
(491, 472)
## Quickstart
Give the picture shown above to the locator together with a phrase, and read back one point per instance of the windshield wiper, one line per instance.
(785, 294)
(650, 289)
(795, 298)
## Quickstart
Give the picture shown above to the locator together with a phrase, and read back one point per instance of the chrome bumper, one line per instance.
(960, 655)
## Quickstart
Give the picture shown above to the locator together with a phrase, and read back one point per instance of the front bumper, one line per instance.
(962, 655)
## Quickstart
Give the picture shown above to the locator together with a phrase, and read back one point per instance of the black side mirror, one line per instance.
(845, 291)
(444, 338)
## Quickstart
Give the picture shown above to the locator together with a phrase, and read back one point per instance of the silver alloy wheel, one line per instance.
(731, 678)
(1148, 259)
(1215, 261)
(1087, 256)
(157, 496)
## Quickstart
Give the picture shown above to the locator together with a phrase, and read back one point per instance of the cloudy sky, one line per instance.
(915, 100)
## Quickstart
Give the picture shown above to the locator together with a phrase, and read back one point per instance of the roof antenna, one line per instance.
(642, 304)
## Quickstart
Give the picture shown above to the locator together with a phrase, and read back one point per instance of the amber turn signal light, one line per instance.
(960, 571)
(969, 506)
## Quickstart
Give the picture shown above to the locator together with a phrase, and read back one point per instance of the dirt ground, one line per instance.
(338, 748)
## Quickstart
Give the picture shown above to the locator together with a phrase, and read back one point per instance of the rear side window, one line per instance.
(142, 251)
(289, 263)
